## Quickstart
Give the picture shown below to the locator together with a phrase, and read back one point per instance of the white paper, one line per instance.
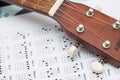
(34, 47)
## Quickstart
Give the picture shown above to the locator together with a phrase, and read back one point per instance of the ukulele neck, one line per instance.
(48, 7)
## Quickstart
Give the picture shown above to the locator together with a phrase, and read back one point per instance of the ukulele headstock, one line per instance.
(98, 32)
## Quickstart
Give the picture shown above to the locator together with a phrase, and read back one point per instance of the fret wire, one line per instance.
(23, 1)
(41, 5)
(35, 5)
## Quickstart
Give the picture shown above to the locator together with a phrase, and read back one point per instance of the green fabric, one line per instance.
(9, 11)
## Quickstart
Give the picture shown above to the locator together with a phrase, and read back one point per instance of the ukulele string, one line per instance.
(78, 10)
(76, 21)
(83, 11)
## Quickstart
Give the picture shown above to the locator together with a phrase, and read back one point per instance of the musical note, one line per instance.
(58, 28)
(65, 58)
(48, 62)
(64, 42)
(21, 50)
(96, 76)
(73, 68)
(76, 77)
(3, 78)
(41, 31)
(45, 46)
(18, 36)
(64, 39)
(24, 76)
(22, 66)
(50, 72)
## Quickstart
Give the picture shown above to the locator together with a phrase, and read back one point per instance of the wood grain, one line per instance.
(97, 30)
(37, 5)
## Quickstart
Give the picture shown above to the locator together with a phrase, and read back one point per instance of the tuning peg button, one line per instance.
(72, 50)
(97, 67)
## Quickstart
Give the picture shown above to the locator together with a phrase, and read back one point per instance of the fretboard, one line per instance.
(36, 5)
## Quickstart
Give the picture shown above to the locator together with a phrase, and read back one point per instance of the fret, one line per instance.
(37, 5)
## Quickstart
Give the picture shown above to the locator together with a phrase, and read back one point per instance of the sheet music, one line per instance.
(34, 47)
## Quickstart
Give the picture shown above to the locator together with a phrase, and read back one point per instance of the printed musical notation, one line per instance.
(40, 53)
(34, 50)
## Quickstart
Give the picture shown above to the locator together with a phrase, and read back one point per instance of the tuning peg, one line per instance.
(90, 12)
(80, 28)
(72, 50)
(116, 25)
(97, 67)
(106, 44)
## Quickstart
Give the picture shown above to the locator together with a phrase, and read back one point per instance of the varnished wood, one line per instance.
(37, 5)
(96, 31)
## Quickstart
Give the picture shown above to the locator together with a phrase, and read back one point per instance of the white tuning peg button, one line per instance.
(72, 50)
(97, 67)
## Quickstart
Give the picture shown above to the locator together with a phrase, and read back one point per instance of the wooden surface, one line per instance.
(97, 30)
(37, 5)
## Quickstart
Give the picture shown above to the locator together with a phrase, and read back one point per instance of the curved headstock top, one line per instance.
(98, 32)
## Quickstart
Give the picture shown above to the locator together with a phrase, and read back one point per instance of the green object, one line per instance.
(9, 11)
(0, 13)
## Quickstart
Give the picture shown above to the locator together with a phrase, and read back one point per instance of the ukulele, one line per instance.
(89, 27)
